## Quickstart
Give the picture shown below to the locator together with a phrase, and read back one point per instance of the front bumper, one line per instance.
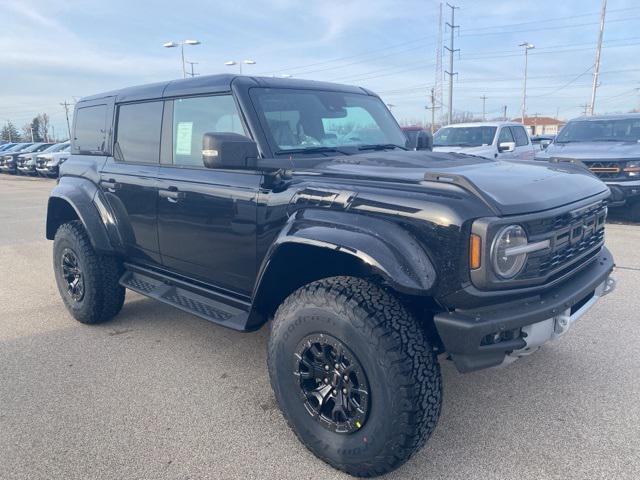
(489, 336)
(621, 191)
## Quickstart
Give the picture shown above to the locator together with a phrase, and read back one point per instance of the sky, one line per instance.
(57, 50)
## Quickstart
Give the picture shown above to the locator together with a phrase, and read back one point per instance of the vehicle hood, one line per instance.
(591, 151)
(507, 187)
(487, 151)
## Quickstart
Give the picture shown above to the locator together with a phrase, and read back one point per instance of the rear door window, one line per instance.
(90, 128)
(138, 132)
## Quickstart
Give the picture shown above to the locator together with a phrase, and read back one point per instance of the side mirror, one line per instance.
(424, 140)
(506, 147)
(544, 144)
(228, 150)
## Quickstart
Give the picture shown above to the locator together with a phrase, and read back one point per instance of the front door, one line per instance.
(505, 135)
(129, 179)
(206, 217)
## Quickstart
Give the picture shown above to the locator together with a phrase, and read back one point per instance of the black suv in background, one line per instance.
(609, 146)
(245, 200)
(8, 154)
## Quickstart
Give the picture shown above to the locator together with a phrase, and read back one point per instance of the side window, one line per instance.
(90, 128)
(193, 117)
(522, 138)
(138, 132)
(505, 135)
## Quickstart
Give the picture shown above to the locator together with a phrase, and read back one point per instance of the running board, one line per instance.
(196, 300)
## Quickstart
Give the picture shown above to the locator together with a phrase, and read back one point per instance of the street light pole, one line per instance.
(181, 45)
(527, 46)
(230, 63)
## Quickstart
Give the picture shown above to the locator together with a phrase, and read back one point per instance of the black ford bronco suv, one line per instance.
(609, 146)
(247, 200)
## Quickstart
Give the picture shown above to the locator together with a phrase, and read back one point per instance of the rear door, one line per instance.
(129, 178)
(206, 217)
(524, 148)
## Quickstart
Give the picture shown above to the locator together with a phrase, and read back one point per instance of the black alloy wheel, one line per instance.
(333, 384)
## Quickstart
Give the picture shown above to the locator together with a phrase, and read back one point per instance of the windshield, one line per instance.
(324, 121)
(19, 147)
(56, 147)
(464, 136)
(606, 130)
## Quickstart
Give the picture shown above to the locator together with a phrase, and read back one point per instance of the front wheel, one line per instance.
(87, 282)
(354, 375)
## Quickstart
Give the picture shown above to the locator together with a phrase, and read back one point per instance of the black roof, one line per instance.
(613, 116)
(215, 84)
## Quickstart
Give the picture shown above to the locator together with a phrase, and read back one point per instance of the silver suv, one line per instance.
(503, 140)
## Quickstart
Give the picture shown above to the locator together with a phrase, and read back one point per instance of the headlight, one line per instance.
(507, 263)
(632, 169)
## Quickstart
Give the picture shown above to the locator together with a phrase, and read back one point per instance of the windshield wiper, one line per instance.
(311, 150)
(380, 146)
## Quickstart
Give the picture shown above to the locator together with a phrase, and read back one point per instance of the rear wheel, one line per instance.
(354, 375)
(87, 282)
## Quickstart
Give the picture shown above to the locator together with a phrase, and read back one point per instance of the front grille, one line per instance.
(607, 170)
(575, 237)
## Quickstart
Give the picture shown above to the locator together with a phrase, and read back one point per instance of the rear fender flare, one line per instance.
(86, 200)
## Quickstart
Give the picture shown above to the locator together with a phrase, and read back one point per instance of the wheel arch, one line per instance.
(73, 199)
(320, 244)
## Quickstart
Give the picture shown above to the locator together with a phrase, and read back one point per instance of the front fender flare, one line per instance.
(386, 248)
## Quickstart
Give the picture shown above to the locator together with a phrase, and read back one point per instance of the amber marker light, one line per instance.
(475, 246)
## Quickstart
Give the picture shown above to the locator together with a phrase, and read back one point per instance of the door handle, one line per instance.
(111, 185)
(172, 194)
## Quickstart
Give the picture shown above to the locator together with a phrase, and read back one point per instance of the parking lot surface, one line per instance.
(157, 393)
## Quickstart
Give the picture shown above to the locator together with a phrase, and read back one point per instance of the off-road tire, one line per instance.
(401, 366)
(103, 296)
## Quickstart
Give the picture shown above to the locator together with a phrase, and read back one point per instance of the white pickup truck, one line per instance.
(503, 140)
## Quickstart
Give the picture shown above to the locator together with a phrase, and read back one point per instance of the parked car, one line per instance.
(6, 146)
(9, 153)
(244, 199)
(10, 164)
(542, 141)
(27, 162)
(418, 138)
(48, 165)
(503, 140)
(609, 146)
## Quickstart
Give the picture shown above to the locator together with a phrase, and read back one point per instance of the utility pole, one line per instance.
(527, 46)
(193, 74)
(452, 26)
(9, 130)
(586, 108)
(596, 71)
(31, 130)
(504, 113)
(484, 110)
(433, 109)
(66, 106)
(439, 80)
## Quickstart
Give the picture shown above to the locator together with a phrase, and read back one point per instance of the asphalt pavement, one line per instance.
(159, 394)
